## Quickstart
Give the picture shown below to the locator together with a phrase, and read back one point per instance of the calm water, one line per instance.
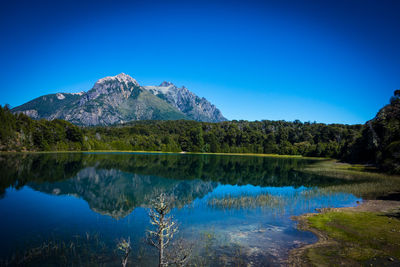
(71, 209)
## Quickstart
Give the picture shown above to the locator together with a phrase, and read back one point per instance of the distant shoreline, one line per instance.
(164, 152)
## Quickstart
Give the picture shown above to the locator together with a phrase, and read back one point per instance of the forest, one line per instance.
(377, 142)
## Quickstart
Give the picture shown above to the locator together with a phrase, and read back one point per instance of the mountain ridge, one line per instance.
(120, 99)
(187, 102)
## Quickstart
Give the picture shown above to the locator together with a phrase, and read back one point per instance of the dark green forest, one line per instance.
(377, 142)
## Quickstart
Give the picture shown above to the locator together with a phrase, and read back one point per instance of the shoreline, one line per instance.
(165, 152)
(343, 240)
(310, 254)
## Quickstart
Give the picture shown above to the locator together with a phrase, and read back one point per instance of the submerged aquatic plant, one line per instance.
(246, 201)
(76, 251)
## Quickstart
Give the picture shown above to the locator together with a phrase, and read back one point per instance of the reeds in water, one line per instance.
(246, 201)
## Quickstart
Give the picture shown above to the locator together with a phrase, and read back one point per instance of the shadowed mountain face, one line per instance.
(115, 184)
(120, 99)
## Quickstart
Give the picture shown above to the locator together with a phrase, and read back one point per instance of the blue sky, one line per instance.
(326, 61)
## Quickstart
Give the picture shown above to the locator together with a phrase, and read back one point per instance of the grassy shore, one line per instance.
(366, 235)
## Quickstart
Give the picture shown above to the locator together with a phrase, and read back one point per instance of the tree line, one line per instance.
(376, 142)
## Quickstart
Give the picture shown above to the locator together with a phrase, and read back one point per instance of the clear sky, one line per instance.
(326, 61)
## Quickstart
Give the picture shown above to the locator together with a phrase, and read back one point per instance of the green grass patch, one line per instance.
(360, 236)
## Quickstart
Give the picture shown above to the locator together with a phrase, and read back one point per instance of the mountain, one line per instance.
(193, 106)
(119, 99)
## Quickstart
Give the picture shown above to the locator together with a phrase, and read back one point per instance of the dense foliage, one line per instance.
(280, 137)
(379, 142)
(376, 142)
(19, 132)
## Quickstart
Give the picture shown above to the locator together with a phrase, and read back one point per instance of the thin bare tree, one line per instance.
(165, 229)
(125, 247)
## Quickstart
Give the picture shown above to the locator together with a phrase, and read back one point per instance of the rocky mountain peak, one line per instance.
(166, 84)
(122, 78)
(125, 77)
(121, 84)
(196, 108)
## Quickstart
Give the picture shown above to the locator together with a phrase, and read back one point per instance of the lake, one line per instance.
(73, 208)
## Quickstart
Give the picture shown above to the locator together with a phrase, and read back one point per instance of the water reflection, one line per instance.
(239, 207)
(138, 169)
